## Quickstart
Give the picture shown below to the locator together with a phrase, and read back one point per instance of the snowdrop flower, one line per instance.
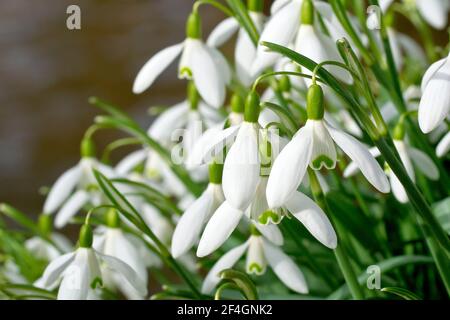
(10, 272)
(296, 17)
(226, 218)
(434, 12)
(156, 171)
(189, 226)
(443, 146)
(80, 270)
(300, 207)
(214, 135)
(435, 103)
(43, 249)
(204, 65)
(318, 47)
(242, 163)
(260, 253)
(281, 29)
(245, 51)
(405, 46)
(409, 156)
(411, 96)
(373, 18)
(111, 241)
(184, 115)
(81, 179)
(314, 146)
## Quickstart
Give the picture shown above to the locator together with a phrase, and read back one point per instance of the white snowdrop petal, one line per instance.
(395, 48)
(210, 115)
(214, 145)
(153, 67)
(280, 29)
(207, 75)
(195, 156)
(222, 32)
(362, 157)
(412, 48)
(128, 163)
(435, 103)
(443, 146)
(222, 65)
(56, 267)
(397, 188)
(289, 168)
(323, 150)
(62, 241)
(245, 51)
(219, 228)
(127, 272)
(61, 189)
(244, 56)
(256, 261)
(385, 4)
(191, 222)
(124, 250)
(259, 202)
(434, 12)
(353, 169)
(241, 168)
(270, 232)
(104, 169)
(424, 163)
(71, 208)
(171, 119)
(405, 158)
(313, 218)
(431, 71)
(319, 48)
(76, 278)
(228, 260)
(277, 5)
(285, 269)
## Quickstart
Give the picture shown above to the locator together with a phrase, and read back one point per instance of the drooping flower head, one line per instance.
(203, 64)
(314, 146)
(80, 272)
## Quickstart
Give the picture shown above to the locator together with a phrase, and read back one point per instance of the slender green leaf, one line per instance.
(403, 293)
(242, 282)
(385, 266)
(19, 217)
(242, 16)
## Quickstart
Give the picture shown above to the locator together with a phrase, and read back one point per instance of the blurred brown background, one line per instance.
(47, 72)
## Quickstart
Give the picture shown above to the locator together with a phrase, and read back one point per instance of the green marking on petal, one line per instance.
(97, 281)
(152, 173)
(323, 160)
(186, 73)
(92, 187)
(255, 268)
(269, 217)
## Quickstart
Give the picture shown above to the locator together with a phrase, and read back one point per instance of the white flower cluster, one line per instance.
(254, 164)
